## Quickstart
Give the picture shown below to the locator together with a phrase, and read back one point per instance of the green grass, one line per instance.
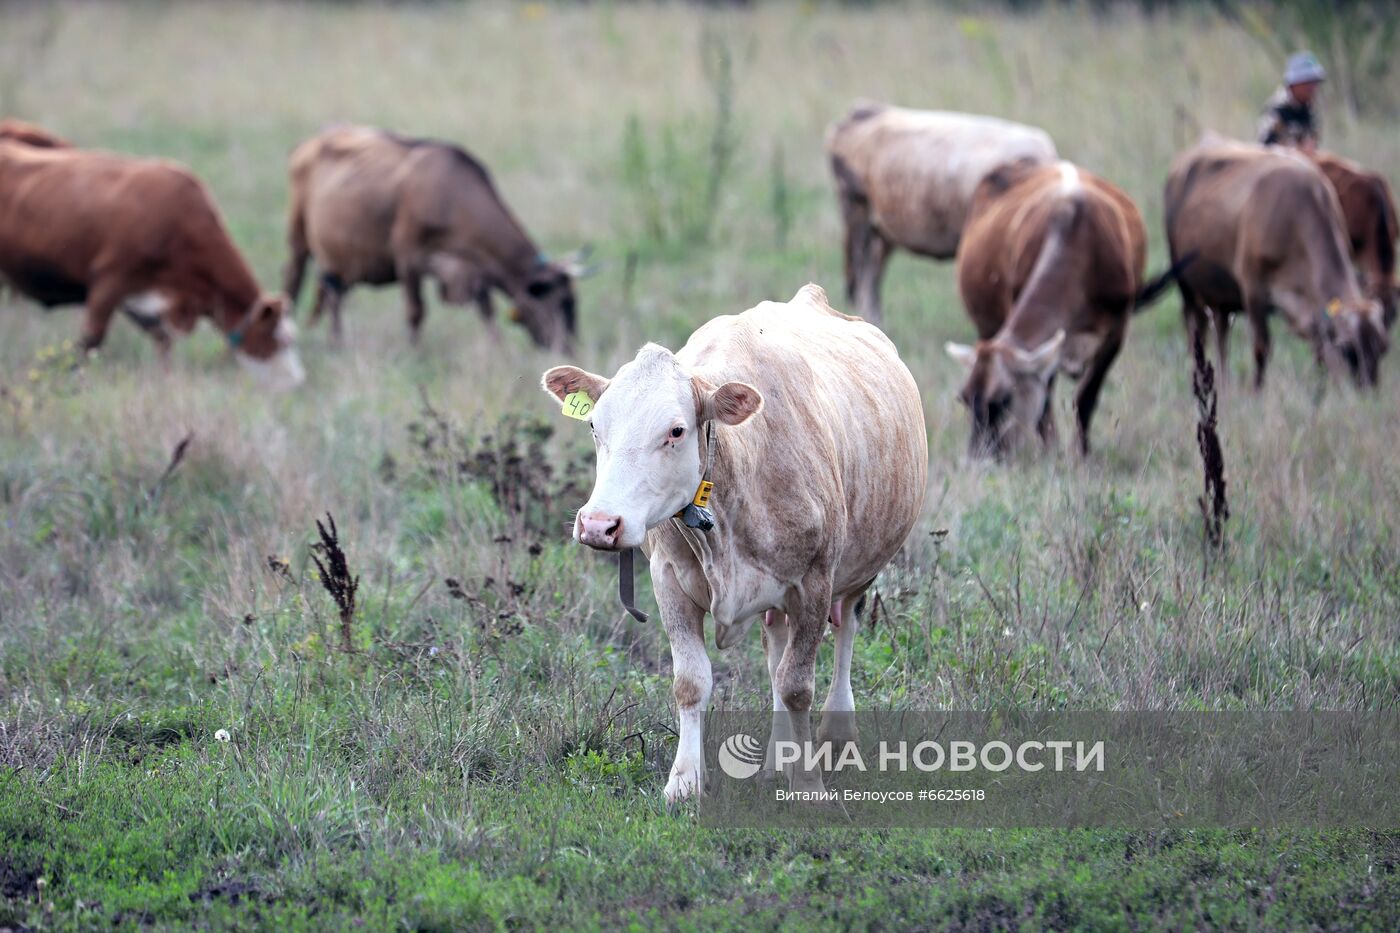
(493, 753)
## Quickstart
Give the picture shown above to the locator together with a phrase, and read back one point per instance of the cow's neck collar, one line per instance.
(696, 513)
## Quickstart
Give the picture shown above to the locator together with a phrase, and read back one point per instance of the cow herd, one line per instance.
(772, 466)
(1050, 259)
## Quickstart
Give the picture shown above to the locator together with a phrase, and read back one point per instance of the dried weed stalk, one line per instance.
(335, 576)
(1215, 509)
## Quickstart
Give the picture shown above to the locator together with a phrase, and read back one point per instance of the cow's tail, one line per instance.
(1155, 288)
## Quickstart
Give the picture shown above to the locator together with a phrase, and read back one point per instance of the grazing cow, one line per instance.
(1369, 209)
(1268, 234)
(1050, 270)
(140, 235)
(375, 208)
(906, 178)
(28, 133)
(819, 465)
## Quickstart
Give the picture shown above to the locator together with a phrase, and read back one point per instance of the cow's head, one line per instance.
(1353, 340)
(1006, 391)
(545, 305)
(264, 342)
(646, 427)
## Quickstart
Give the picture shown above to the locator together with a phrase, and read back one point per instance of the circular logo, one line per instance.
(741, 756)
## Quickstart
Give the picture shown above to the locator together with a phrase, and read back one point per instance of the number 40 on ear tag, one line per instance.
(578, 405)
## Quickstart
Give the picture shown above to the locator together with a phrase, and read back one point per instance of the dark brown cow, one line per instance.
(374, 208)
(1268, 234)
(1050, 270)
(140, 235)
(32, 135)
(1369, 209)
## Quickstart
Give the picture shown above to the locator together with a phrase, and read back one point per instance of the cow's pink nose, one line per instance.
(599, 530)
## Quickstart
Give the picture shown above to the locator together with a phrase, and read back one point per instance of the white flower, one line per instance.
(223, 736)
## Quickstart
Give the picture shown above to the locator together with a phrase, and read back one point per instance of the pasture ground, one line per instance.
(493, 752)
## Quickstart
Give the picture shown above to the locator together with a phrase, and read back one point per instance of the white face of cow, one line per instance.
(646, 424)
(282, 370)
(1006, 391)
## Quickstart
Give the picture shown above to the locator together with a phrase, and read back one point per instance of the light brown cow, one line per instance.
(141, 235)
(1369, 209)
(31, 134)
(906, 178)
(1050, 270)
(819, 465)
(1268, 234)
(375, 208)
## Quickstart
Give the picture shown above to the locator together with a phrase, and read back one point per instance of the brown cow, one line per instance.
(1269, 235)
(374, 208)
(140, 235)
(32, 135)
(1050, 269)
(1369, 209)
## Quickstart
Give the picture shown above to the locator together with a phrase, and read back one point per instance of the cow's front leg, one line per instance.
(685, 627)
(330, 294)
(797, 672)
(414, 309)
(1257, 310)
(102, 302)
(487, 307)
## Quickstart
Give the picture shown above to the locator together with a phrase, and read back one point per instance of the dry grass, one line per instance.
(1059, 583)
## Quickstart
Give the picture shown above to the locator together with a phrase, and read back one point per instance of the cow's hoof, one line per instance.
(686, 781)
(838, 729)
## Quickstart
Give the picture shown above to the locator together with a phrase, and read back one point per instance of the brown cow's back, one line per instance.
(1050, 268)
(138, 235)
(1094, 225)
(67, 215)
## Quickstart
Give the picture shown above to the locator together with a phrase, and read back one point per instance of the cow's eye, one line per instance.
(677, 431)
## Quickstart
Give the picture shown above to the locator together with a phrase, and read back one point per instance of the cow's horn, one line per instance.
(577, 264)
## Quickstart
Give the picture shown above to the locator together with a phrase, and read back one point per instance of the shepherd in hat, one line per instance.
(1291, 117)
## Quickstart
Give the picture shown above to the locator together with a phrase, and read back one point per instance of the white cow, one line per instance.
(820, 460)
(905, 178)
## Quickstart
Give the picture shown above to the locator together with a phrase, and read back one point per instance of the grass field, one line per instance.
(493, 753)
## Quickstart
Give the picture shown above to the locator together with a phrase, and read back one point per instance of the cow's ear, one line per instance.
(269, 308)
(1043, 360)
(566, 380)
(733, 403)
(961, 352)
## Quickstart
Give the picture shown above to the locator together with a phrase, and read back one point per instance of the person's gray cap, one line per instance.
(1302, 68)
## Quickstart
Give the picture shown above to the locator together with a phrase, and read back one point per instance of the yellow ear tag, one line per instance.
(702, 495)
(1334, 307)
(515, 314)
(578, 405)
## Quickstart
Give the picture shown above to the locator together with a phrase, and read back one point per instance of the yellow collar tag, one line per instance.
(1334, 307)
(702, 494)
(578, 405)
